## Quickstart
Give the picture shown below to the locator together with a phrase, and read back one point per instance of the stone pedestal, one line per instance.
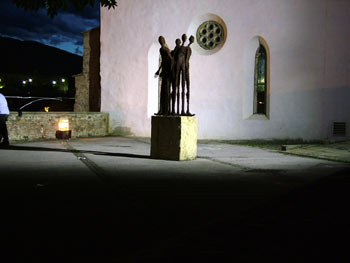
(174, 138)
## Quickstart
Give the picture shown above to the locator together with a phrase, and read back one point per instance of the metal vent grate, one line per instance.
(339, 128)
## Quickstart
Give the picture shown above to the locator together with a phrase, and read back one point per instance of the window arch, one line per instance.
(260, 81)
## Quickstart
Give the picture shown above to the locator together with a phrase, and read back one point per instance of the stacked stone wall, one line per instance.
(43, 125)
(94, 70)
(87, 84)
(81, 93)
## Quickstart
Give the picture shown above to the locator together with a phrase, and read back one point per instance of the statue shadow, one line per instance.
(74, 151)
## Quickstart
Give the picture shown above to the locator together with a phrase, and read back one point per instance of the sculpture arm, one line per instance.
(188, 55)
(170, 57)
(157, 73)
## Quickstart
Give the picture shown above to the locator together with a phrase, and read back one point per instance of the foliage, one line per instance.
(36, 84)
(53, 6)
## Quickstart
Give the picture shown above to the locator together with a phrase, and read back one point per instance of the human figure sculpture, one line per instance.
(187, 74)
(165, 71)
(175, 89)
(180, 69)
(174, 69)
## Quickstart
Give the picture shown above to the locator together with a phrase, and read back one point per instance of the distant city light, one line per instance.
(54, 82)
(30, 80)
(24, 82)
(63, 80)
(46, 109)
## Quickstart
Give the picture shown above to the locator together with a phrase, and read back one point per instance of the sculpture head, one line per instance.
(161, 40)
(184, 38)
(178, 42)
(191, 39)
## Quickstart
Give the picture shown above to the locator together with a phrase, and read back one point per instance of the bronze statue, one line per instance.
(187, 74)
(174, 69)
(180, 69)
(175, 95)
(165, 72)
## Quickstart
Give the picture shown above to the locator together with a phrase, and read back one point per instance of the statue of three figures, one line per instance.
(173, 70)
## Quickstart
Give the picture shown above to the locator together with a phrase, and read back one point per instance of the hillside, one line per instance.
(29, 56)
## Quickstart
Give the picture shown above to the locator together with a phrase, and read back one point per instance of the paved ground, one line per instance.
(331, 151)
(105, 200)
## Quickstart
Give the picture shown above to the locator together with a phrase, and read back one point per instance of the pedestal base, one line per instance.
(63, 135)
(174, 138)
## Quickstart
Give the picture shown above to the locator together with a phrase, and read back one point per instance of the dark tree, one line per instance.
(53, 6)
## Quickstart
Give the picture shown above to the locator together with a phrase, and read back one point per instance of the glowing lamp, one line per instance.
(47, 109)
(63, 132)
(63, 125)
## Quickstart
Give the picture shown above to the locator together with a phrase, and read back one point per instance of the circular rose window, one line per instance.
(210, 35)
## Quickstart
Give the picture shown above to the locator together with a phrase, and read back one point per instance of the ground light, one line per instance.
(63, 132)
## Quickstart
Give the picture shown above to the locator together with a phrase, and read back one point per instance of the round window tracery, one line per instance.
(210, 34)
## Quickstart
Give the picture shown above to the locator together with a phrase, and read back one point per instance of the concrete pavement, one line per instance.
(105, 199)
(339, 151)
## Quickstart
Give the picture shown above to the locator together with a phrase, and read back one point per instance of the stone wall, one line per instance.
(94, 70)
(87, 84)
(41, 125)
(81, 93)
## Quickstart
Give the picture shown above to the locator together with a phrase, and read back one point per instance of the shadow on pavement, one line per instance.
(310, 224)
(153, 222)
(45, 149)
(144, 218)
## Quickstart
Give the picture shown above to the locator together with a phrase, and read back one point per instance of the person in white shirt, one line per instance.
(4, 113)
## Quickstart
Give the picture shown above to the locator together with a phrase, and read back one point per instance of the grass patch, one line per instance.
(264, 144)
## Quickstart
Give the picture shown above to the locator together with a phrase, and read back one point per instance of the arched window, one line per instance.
(260, 81)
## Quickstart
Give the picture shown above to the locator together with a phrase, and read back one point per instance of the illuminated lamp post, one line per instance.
(63, 132)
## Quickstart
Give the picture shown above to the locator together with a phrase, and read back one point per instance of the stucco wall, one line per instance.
(42, 125)
(307, 43)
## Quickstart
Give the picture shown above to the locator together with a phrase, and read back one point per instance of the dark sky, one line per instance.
(64, 31)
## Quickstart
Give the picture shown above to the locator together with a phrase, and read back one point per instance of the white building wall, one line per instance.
(308, 45)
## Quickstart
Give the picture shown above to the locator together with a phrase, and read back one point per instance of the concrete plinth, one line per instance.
(174, 138)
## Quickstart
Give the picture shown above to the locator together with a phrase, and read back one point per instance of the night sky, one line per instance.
(64, 31)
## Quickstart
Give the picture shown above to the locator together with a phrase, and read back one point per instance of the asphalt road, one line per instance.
(105, 200)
